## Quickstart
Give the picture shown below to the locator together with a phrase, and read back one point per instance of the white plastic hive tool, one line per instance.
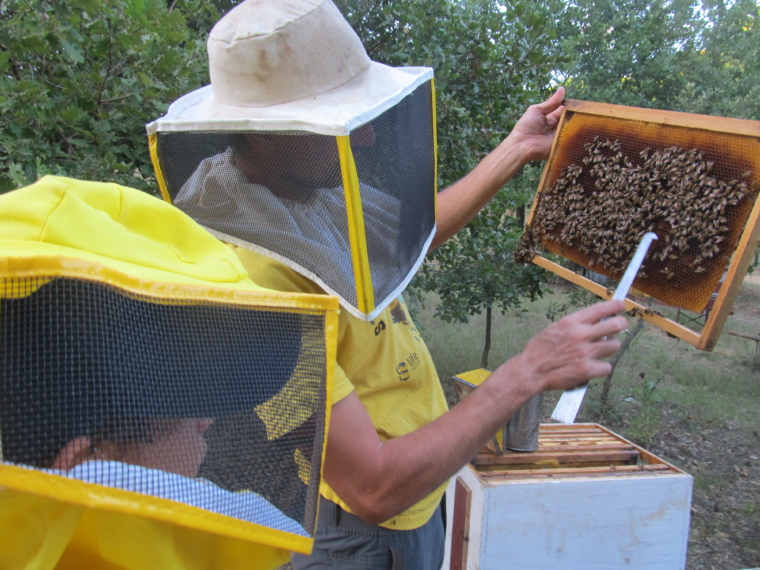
(570, 401)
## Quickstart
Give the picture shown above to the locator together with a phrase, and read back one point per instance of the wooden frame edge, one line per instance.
(692, 120)
(547, 165)
(734, 278)
(460, 525)
(648, 455)
(664, 323)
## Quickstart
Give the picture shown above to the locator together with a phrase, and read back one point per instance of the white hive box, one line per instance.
(586, 500)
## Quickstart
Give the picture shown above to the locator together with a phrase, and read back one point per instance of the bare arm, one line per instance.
(530, 140)
(379, 480)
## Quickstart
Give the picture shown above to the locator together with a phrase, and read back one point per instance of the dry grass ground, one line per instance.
(700, 411)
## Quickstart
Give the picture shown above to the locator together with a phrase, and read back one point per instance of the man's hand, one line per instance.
(530, 140)
(569, 352)
(534, 132)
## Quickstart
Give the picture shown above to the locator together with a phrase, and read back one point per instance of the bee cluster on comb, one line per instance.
(603, 206)
(615, 173)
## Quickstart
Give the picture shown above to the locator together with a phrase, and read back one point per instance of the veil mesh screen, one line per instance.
(400, 164)
(280, 191)
(283, 191)
(162, 397)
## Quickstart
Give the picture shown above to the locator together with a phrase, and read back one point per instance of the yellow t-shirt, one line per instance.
(385, 361)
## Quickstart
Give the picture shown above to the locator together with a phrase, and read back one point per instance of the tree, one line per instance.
(491, 60)
(681, 55)
(475, 270)
(79, 80)
(605, 397)
(723, 77)
(629, 52)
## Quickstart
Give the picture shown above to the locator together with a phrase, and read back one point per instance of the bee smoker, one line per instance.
(520, 433)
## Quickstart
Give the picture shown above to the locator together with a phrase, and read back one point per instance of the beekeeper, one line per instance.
(126, 332)
(318, 166)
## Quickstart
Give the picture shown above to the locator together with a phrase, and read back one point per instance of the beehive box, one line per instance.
(587, 499)
(617, 172)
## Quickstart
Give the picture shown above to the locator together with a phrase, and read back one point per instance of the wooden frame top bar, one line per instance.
(563, 449)
(691, 120)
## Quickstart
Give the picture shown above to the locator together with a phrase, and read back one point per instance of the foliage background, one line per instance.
(80, 79)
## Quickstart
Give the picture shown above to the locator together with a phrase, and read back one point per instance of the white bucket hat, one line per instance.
(308, 71)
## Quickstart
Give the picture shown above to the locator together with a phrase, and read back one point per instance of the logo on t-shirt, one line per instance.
(398, 314)
(405, 369)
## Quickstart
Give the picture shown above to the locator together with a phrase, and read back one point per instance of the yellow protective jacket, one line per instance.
(125, 237)
(39, 533)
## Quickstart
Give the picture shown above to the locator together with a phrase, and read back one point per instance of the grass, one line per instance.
(704, 482)
(458, 347)
(644, 424)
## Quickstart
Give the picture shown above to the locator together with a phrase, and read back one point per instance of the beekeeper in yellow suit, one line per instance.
(126, 332)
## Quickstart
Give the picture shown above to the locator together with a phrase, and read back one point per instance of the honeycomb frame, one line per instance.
(689, 282)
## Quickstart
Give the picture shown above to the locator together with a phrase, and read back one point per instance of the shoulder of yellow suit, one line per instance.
(62, 226)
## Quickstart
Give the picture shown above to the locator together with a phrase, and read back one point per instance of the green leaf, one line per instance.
(34, 43)
(74, 53)
(5, 57)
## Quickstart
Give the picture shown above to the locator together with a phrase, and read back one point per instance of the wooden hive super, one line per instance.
(617, 172)
(586, 500)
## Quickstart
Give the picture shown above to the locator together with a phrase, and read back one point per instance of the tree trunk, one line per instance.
(484, 360)
(520, 215)
(615, 359)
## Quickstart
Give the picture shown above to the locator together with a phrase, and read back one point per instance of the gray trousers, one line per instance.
(344, 541)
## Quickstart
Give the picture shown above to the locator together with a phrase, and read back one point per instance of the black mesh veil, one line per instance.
(160, 396)
(402, 163)
(284, 193)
